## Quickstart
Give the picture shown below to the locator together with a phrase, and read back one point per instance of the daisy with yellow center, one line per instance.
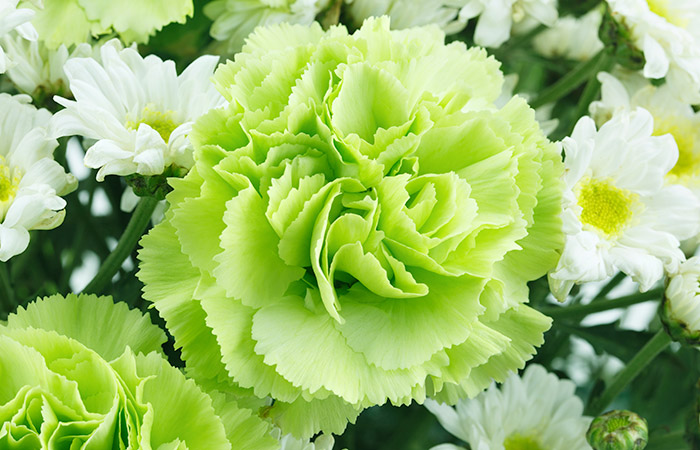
(139, 110)
(534, 411)
(620, 213)
(672, 116)
(31, 182)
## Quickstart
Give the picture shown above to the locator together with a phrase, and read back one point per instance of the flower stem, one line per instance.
(598, 305)
(656, 345)
(138, 223)
(571, 80)
(7, 294)
(612, 284)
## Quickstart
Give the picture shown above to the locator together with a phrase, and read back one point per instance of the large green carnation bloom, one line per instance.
(359, 226)
(74, 21)
(84, 373)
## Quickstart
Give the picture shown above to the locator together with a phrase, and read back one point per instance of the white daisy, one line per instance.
(138, 110)
(574, 38)
(668, 32)
(672, 115)
(619, 213)
(234, 20)
(36, 69)
(408, 13)
(497, 17)
(681, 305)
(535, 411)
(31, 182)
(13, 19)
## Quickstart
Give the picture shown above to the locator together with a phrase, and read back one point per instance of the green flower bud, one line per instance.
(618, 430)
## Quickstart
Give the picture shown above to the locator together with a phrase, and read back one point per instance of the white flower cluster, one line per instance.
(668, 34)
(535, 411)
(13, 19)
(31, 182)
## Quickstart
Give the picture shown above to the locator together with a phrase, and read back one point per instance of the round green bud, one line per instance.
(618, 430)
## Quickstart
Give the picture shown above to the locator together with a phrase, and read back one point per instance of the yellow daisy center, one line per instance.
(683, 132)
(518, 442)
(9, 181)
(606, 207)
(663, 9)
(162, 122)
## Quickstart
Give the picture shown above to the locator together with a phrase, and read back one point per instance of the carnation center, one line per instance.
(661, 8)
(9, 181)
(606, 207)
(688, 164)
(518, 442)
(162, 122)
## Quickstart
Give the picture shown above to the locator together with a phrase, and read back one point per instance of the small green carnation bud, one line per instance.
(680, 308)
(618, 430)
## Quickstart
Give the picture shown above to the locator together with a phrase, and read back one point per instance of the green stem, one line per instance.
(612, 284)
(664, 441)
(127, 242)
(7, 293)
(560, 312)
(592, 89)
(656, 345)
(570, 81)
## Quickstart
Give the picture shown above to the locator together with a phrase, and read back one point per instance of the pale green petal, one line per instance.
(136, 20)
(303, 418)
(181, 410)
(337, 368)
(231, 322)
(96, 322)
(395, 334)
(249, 267)
(243, 428)
(170, 282)
(64, 22)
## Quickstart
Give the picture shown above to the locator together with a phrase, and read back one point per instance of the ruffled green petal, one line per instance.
(231, 322)
(395, 334)
(96, 322)
(136, 20)
(304, 418)
(337, 368)
(249, 267)
(170, 282)
(181, 411)
(524, 328)
(243, 428)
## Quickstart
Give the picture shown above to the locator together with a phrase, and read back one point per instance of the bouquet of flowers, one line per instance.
(359, 224)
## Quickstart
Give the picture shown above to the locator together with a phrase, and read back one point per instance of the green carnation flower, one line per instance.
(83, 372)
(74, 21)
(359, 226)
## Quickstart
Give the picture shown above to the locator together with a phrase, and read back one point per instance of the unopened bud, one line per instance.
(618, 430)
